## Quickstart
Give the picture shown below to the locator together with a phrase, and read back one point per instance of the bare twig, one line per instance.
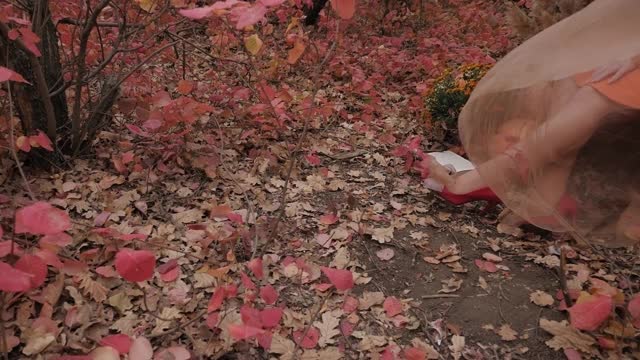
(439, 296)
(82, 66)
(303, 135)
(313, 318)
(12, 146)
(5, 345)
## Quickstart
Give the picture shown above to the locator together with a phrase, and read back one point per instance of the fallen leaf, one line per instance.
(541, 298)
(507, 333)
(341, 279)
(392, 306)
(135, 265)
(141, 349)
(589, 311)
(385, 254)
(308, 340)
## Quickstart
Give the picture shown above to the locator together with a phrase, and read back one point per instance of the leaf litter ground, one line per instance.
(367, 263)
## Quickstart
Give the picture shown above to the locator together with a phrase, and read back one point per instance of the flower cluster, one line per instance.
(451, 91)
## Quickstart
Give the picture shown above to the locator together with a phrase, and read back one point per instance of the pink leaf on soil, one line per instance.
(341, 279)
(120, 342)
(310, 340)
(242, 331)
(589, 313)
(33, 265)
(268, 294)
(487, 266)
(41, 218)
(392, 306)
(13, 280)
(255, 265)
(270, 317)
(135, 265)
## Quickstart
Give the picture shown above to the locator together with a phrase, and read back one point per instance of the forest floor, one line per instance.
(432, 281)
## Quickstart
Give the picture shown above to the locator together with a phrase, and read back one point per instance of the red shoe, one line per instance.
(485, 194)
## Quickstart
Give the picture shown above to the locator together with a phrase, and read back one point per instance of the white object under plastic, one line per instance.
(457, 162)
(450, 160)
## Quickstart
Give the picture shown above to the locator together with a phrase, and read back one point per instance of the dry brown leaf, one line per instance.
(492, 257)
(369, 299)
(328, 329)
(507, 333)
(382, 235)
(431, 352)
(457, 346)
(282, 346)
(450, 285)
(188, 216)
(92, 288)
(541, 298)
(566, 336)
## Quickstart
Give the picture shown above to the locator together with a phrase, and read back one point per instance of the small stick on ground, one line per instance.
(439, 296)
(562, 274)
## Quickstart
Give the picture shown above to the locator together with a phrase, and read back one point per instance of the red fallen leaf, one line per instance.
(246, 281)
(106, 271)
(22, 143)
(42, 140)
(173, 353)
(236, 218)
(487, 266)
(135, 265)
(60, 240)
(213, 319)
(310, 340)
(73, 267)
(634, 310)
(230, 290)
(1, 232)
(49, 258)
(7, 74)
(171, 275)
(344, 8)
(590, 312)
(270, 317)
(127, 157)
(389, 353)
(268, 294)
(243, 332)
(341, 279)
(392, 306)
(350, 304)
(120, 342)
(250, 316)
(13, 280)
(322, 287)
(33, 265)
(255, 265)
(572, 354)
(168, 266)
(5, 248)
(220, 211)
(328, 219)
(136, 130)
(75, 357)
(185, 87)
(264, 340)
(413, 353)
(247, 16)
(141, 349)
(346, 327)
(313, 159)
(216, 299)
(607, 343)
(41, 218)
